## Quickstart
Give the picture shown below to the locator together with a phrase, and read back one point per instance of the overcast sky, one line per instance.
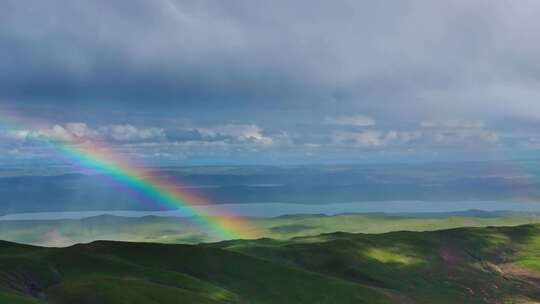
(201, 82)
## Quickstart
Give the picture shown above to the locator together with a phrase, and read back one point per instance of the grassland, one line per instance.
(177, 230)
(463, 265)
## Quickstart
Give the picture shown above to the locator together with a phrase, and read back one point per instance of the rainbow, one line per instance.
(91, 157)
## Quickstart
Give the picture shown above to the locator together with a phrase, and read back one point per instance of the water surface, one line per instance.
(277, 209)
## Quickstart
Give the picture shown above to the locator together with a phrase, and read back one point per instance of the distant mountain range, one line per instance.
(64, 232)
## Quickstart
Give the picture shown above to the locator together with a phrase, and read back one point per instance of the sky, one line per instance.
(273, 82)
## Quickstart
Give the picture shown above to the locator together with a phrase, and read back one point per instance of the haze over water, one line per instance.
(279, 209)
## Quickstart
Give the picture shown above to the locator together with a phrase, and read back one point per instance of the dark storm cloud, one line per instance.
(358, 54)
(314, 72)
(143, 50)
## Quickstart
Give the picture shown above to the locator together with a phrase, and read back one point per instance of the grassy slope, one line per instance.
(467, 265)
(112, 272)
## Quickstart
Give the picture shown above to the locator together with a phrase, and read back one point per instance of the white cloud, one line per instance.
(129, 133)
(464, 137)
(240, 133)
(371, 138)
(80, 132)
(375, 138)
(14, 134)
(153, 142)
(57, 132)
(312, 146)
(458, 132)
(80, 129)
(452, 124)
(431, 137)
(354, 120)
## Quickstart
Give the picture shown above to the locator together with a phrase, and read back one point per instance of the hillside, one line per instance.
(467, 265)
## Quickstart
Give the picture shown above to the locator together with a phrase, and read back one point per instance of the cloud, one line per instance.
(14, 134)
(465, 137)
(129, 133)
(370, 138)
(70, 132)
(348, 56)
(236, 133)
(355, 120)
(174, 74)
(452, 124)
(118, 134)
(455, 132)
(431, 138)
(76, 132)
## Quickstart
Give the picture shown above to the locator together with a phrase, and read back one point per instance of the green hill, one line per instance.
(467, 265)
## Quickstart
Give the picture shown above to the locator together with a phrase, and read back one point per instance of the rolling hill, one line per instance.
(467, 265)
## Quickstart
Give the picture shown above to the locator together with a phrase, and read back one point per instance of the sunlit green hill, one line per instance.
(465, 265)
(113, 272)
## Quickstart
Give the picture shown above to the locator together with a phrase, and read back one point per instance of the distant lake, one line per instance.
(277, 209)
